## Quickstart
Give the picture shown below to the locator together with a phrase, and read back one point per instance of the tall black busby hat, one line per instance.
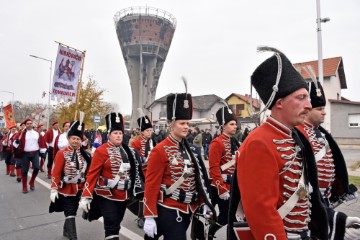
(143, 121)
(225, 115)
(114, 121)
(317, 95)
(76, 128)
(179, 105)
(276, 78)
(316, 91)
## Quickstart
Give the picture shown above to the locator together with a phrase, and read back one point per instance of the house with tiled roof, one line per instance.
(204, 107)
(343, 116)
(240, 105)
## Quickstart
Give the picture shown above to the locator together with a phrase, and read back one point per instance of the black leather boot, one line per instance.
(71, 228)
(214, 227)
(65, 231)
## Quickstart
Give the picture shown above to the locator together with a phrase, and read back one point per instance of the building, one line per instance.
(204, 110)
(145, 35)
(240, 105)
(343, 116)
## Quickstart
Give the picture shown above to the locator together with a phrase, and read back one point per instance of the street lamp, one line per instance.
(320, 20)
(49, 107)
(12, 100)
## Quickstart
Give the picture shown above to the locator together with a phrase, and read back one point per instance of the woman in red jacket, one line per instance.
(68, 178)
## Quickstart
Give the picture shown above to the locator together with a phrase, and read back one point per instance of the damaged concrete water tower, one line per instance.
(145, 35)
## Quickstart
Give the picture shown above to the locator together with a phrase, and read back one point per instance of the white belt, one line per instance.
(121, 185)
(295, 236)
(228, 164)
(70, 179)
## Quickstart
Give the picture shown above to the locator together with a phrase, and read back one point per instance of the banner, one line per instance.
(66, 74)
(9, 116)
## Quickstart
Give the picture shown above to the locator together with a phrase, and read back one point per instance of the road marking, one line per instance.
(123, 230)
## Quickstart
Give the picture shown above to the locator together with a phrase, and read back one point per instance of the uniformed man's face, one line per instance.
(294, 108)
(13, 130)
(116, 137)
(179, 128)
(29, 125)
(66, 127)
(316, 116)
(56, 126)
(74, 142)
(230, 128)
(147, 133)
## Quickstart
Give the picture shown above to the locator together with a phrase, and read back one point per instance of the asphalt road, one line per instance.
(26, 216)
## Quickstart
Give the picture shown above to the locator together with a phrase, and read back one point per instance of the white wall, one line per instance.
(332, 88)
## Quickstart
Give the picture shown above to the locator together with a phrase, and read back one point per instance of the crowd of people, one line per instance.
(281, 180)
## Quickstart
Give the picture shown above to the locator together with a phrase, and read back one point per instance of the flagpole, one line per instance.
(79, 84)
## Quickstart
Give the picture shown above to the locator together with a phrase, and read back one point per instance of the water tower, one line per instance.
(145, 35)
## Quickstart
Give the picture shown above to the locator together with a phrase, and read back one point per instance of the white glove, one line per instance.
(84, 204)
(206, 211)
(150, 228)
(225, 196)
(351, 220)
(53, 195)
(351, 196)
(352, 233)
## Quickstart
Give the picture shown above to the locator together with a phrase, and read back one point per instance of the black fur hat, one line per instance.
(179, 106)
(276, 68)
(76, 129)
(144, 123)
(225, 115)
(317, 95)
(114, 121)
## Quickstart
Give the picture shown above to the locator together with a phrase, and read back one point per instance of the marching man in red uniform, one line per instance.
(144, 144)
(276, 170)
(50, 137)
(17, 154)
(176, 182)
(332, 171)
(29, 143)
(68, 178)
(114, 177)
(61, 141)
(42, 133)
(222, 155)
(8, 153)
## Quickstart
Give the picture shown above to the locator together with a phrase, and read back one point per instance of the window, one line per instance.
(239, 108)
(354, 120)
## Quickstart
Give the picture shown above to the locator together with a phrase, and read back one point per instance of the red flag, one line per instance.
(9, 116)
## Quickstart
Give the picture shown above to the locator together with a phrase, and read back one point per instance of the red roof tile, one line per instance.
(330, 65)
(246, 98)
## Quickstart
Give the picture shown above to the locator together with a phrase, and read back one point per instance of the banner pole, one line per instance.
(79, 84)
(67, 46)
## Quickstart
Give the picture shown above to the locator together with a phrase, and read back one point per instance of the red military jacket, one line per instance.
(268, 170)
(105, 164)
(219, 154)
(165, 166)
(323, 156)
(65, 167)
(143, 146)
(7, 141)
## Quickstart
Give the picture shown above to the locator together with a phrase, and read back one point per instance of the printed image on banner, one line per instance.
(9, 116)
(66, 75)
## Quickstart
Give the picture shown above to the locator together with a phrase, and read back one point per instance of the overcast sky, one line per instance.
(214, 44)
